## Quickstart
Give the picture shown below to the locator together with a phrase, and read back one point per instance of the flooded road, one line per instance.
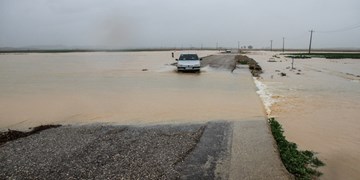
(120, 88)
(143, 90)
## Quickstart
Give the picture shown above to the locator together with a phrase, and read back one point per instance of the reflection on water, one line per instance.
(74, 88)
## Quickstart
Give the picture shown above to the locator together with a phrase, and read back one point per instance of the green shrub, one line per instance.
(302, 164)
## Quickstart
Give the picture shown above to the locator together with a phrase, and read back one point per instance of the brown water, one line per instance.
(319, 109)
(78, 88)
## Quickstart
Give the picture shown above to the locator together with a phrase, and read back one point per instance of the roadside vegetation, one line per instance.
(323, 55)
(302, 164)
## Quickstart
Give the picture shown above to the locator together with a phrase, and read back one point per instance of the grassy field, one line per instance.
(323, 55)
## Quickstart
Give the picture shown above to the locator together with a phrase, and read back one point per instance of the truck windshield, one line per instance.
(188, 57)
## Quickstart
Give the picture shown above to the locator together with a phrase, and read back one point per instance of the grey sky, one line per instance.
(161, 23)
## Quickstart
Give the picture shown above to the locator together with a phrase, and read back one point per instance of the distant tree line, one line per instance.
(248, 47)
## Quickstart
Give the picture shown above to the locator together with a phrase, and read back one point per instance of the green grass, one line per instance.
(323, 55)
(298, 56)
(302, 164)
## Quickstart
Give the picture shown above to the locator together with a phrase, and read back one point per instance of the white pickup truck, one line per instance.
(188, 62)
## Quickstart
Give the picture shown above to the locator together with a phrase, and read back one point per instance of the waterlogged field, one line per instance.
(318, 105)
(119, 87)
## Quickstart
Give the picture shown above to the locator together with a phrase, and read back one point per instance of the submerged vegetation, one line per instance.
(302, 164)
(323, 55)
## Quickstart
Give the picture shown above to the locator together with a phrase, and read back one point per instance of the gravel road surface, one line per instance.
(119, 152)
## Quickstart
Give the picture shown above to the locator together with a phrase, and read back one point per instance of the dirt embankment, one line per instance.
(230, 61)
(254, 67)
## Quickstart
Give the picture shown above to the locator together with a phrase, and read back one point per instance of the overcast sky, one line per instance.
(162, 23)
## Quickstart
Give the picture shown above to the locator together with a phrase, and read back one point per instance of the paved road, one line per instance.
(214, 150)
(224, 61)
(117, 152)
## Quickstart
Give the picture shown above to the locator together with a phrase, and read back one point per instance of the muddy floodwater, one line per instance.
(119, 87)
(318, 105)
